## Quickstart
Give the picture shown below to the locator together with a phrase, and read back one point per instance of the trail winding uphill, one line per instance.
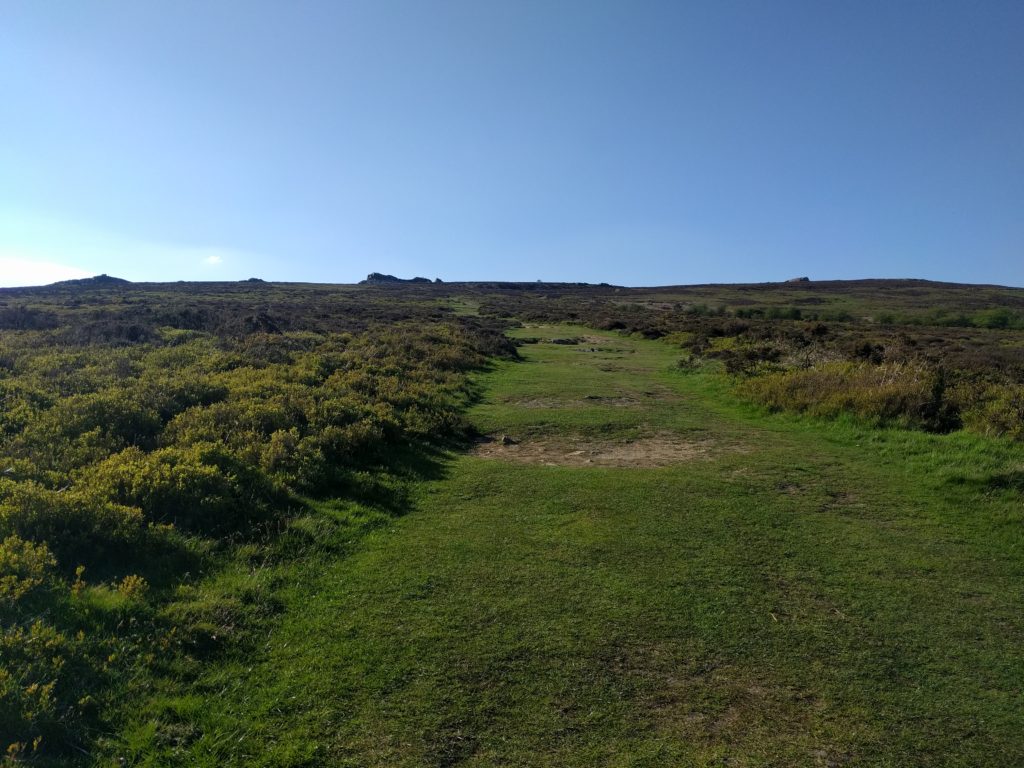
(642, 574)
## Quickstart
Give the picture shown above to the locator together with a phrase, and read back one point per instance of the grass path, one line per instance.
(790, 595)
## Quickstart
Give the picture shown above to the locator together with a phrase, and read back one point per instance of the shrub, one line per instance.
(20, 404)
(77, 526)
(45, 677)
(998, 411)
(31, 662)
(82, 429)
(202, 488)
(891, 393)
(25, 567)
(170, 395)
(133, 586)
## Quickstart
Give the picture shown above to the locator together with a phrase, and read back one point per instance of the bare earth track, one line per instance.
(660, 451)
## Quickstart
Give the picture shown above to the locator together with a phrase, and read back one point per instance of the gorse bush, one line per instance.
(45, 672)
(78, 525)
(202, 487)
(996, 410)
(25, 568)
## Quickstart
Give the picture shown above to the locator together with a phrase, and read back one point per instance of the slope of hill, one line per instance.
(488, 523)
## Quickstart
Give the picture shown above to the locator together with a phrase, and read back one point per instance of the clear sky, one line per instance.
(633, 142)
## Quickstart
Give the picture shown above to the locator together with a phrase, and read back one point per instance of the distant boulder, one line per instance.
(378, 278)
(799, 280)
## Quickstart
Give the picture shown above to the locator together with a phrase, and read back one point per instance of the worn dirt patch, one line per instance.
(586, 402)
(722, 707)
(590, 401)
(657, 451)
(552, 402)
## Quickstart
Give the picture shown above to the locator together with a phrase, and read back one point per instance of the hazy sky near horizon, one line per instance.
(637, 143)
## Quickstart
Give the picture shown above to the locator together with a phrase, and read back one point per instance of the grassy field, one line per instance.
(644, 574)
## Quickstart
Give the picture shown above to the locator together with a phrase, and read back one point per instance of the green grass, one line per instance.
(462, 306)
(803, 594)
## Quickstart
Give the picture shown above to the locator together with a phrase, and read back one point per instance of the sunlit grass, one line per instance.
(814, 593)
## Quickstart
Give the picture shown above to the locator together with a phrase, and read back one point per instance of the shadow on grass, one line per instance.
(1000, 481)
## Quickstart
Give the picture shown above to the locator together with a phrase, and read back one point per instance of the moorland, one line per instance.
(517, 524)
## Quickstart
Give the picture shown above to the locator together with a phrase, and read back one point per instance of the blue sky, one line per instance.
(637, 143)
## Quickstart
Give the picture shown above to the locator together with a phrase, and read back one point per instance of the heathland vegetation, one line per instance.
(617, 555)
